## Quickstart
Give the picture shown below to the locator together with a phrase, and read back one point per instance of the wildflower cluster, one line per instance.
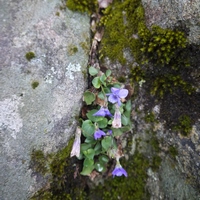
(103, 127)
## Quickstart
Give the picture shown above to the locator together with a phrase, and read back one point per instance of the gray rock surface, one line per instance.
(36, 116)
(169, 14)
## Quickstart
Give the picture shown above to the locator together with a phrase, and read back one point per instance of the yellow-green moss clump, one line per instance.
(88, 6)
(30, 55)
(34, 84)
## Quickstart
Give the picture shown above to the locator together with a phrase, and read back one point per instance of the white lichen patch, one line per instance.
(71, 69)
(9, 115)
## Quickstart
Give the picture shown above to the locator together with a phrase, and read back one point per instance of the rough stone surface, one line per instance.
(41, 117)
(169, 14)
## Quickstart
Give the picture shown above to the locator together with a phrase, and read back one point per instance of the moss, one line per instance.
(156, 162)
(34, 84)
(30, 55)
(72, 50)
(88, 6)
(132, 187)
(150, 117)
(62, 184)
(184, 125)
(38, 162)
(84, 45)
(173, 152)
(121, 79)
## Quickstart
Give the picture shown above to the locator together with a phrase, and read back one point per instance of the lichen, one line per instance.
(30, 55)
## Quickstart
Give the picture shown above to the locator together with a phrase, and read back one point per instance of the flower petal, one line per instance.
(112, 98)
(115, 90)
(123, 93)
(98, 134)
(100, 112)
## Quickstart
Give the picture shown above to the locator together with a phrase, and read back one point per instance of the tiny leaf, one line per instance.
(108, 72)
(88, 128)
(89, 97)
(96, 82)
(106, 143)
(89, 153)
(93, 71)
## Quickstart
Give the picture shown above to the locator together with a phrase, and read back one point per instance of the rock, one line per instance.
(43, 60)
(170, 14)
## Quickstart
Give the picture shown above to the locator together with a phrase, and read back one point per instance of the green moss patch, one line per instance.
(30, 55)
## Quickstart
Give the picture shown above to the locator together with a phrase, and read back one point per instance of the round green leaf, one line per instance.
(103, 123)
(103, 159)
(106, 143)
(89, 153)
(88, 128)
(128, 105)
(88, 162)
(100, 167)
(101, 95)
(96, 82)
(125, 120)
(93, 71)
(85, 146)
(89, 97)
(87, 170)
(117, 131)
(108, 72)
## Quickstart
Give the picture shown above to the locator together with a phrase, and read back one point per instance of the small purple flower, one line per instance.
(116, 123)
(117, 94)
(119, 171)
(103, 112)
(77, 143)
(98, 134)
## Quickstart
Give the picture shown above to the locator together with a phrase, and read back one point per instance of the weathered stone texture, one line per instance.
(169, 14)
(41, 117)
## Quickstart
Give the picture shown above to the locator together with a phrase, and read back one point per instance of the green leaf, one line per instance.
(88, 128)
(101, 95)
(100, 167)
(93, 71)
(106, 142)
(108, 72)
(128, 106)
(89, 97)
(103, 79)
(90, 140)
(97, 148)
(125, 120)
(103, 159)
(88, 162)
(117, 131)
(96, 82)
(89, 153)
(85, 146)
(87, 170)
(103, 123)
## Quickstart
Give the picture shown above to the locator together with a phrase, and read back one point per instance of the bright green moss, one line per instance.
(156, 162)
(88, 6)
(34, 84)
(30, 55)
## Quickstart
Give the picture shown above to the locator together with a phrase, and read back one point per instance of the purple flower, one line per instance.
(109, 132)
(98, 134)
(116, 123)
(117, 94)
(119, 171)
(103, 112)
(77, 143)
